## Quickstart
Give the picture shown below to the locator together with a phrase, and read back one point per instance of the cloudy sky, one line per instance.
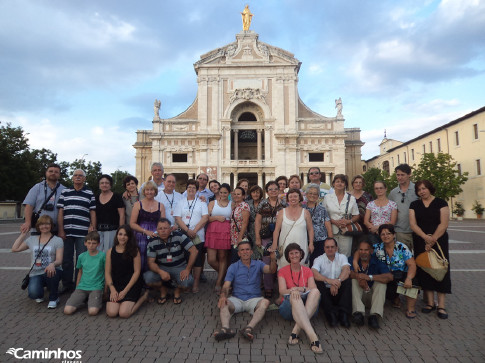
(81, 77)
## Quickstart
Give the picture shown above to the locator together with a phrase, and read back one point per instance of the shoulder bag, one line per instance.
(433, 263)
(352, 229)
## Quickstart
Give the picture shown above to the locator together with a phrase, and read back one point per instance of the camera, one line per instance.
(49, 207)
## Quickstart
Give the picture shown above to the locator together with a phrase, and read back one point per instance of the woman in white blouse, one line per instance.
(342, 209)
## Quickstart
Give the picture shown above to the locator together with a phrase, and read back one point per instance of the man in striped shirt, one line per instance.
(166, 261)
(77, 217)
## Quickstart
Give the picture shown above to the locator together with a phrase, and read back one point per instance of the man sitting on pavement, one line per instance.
(245, 277)
(166, 261)
(331, 272)
(368, 286)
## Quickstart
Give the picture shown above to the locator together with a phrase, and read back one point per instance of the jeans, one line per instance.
(68, 259)
(38, 282)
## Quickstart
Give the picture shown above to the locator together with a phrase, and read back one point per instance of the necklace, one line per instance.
(298, 279)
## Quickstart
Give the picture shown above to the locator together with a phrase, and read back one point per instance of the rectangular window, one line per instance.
(392, 161)
(412, 154)
(431, 146)
(424, 149)
(405, 157)
(179, 158)
(439, 145)
(398, 161)
(457, 138)
(458, 166)
(475, 131)
(479, 169)
(312, 157)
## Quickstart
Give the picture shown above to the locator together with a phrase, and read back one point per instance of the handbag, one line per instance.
(352, 229)
(433, 263)
(26, 279)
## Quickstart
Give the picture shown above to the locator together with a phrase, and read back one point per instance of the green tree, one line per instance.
(442, 172)
(20, 167)
(374, 174)
(118, 177)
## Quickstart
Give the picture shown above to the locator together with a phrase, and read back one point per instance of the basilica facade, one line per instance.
(248, 121)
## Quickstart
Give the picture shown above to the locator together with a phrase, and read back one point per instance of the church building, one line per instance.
(248, 121)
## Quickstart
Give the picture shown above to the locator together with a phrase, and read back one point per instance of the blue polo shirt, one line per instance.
(246, 282)
(376, 267)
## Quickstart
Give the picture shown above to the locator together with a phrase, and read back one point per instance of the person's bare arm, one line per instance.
(25, 227)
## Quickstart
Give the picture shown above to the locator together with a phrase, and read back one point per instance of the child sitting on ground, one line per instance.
(90, 279)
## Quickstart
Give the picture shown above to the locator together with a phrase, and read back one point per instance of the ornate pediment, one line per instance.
(247, 94)
(247, 49)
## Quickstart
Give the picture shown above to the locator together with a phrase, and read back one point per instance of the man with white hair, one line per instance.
(157, 177)
(169, 198)
(77, 217)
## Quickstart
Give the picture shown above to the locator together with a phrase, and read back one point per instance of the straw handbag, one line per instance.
(432, 263)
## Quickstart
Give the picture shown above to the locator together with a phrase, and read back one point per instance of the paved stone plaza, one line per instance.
(183, 333)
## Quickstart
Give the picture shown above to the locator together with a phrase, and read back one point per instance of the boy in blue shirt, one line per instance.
(90, 279)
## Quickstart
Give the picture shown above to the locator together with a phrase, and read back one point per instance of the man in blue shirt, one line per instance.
(368, 286)
(245, 277)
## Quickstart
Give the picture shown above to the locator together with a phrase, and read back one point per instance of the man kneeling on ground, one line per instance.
(368, 286)
(245, 277)
(166, 261)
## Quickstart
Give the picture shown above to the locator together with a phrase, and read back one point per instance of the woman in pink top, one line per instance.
(301, 296)
(379, 211)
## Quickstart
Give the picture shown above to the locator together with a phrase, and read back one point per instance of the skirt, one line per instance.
(218, 235)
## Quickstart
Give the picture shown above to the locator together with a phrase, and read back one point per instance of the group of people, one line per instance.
(298, 247)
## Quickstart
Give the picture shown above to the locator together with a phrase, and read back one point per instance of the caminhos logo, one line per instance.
(64, 355)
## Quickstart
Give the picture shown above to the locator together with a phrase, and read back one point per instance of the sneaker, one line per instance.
(53, 304)
(38, 301)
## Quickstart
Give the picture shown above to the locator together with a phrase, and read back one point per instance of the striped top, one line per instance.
(77, 206)
(171, 252)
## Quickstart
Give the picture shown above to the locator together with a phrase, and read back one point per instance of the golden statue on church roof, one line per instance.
(246, 18)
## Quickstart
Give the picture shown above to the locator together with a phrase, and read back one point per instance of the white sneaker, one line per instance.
(53, 304)
(38, 301)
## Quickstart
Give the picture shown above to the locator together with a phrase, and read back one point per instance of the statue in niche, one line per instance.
(246, 18)
(156, 108)
(338, 106)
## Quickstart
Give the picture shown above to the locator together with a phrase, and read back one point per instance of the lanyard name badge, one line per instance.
(169, 256)
(191, 210)
(170, 202)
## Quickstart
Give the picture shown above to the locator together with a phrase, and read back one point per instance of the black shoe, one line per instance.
(344, 320)
(332, 320)
(202, 277)
(358, 319)
(373, 322)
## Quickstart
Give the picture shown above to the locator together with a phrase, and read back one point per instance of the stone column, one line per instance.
(305, 178)
(260, 179)
(259, 131)
(236, 146)
(328, 178)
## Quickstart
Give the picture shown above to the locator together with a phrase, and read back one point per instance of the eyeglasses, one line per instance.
(78, 176)
(272, 190)
(314, 173)
(403, 196)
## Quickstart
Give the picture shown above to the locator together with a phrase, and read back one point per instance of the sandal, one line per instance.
(224, 333)
(162, 300)
(177, 300)
(247, 333)
(428, 308)
(293, 339)
(315, 347)
(442, 315)
(411, 314)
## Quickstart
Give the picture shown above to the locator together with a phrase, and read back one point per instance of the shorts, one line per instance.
(78, 298)
(244, 305)
(151, 277)
(199, 261)
(285, 307)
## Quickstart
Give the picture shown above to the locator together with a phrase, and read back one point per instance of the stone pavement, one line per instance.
(182, 333)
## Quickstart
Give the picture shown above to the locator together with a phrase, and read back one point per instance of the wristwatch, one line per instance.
(371, 277)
